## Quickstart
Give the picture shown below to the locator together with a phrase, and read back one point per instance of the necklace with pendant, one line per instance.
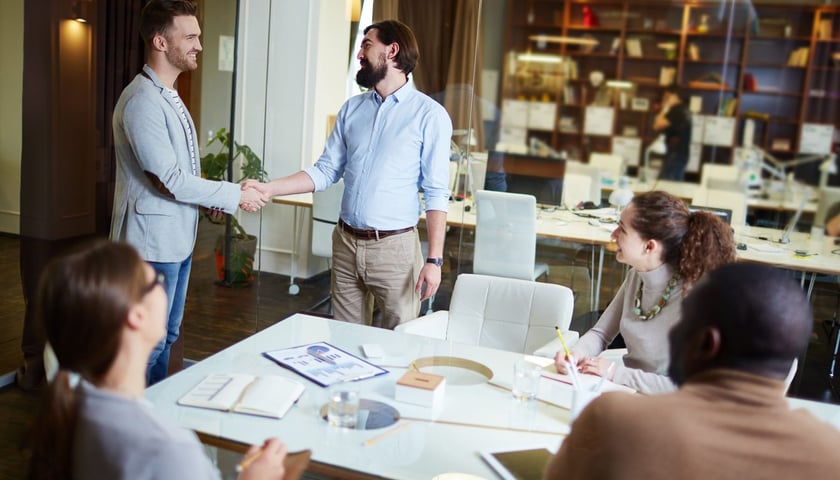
(666, 295)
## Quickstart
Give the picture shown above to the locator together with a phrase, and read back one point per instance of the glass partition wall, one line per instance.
(550, 98)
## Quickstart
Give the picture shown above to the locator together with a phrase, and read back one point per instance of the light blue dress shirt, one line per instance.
(387, 151)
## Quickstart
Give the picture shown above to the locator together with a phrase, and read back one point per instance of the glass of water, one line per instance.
(526, 380)
(343, 407)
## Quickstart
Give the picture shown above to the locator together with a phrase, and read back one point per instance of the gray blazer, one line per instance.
(157, 192)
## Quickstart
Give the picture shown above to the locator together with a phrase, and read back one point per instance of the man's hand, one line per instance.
(264, 462)
(252, 199)
(430, 276)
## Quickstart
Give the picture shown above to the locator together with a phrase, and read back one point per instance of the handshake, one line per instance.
(254, 195)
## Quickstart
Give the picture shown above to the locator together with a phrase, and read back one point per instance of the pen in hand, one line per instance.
(563, 342)
(246, 462)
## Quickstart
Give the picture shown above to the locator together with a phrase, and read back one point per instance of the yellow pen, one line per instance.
(563, 342)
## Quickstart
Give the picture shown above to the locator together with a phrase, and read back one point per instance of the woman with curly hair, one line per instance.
(669, 249)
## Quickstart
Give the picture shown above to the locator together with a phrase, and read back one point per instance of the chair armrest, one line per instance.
(551, 348)
(433, 325)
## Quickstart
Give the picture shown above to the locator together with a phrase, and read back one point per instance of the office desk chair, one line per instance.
(506, 236)
(504, 313)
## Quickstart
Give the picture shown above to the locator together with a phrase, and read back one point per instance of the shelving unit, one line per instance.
(732, 54)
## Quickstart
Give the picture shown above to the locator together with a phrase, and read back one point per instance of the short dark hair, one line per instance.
(156, 17)
(393, 31)
(763, 316)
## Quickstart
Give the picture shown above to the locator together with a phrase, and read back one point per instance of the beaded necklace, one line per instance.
(666, 295)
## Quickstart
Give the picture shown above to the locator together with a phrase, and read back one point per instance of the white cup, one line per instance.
(343, 407)
(580, 399)
(526, 380)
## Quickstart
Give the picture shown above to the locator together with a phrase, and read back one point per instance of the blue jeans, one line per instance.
(673, 167)
(177, 278)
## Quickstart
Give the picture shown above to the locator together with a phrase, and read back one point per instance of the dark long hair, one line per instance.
(694, 243)
(83, 302)
(393, 31)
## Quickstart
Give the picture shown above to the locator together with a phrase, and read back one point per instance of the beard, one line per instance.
(182, 61)
(369, 75)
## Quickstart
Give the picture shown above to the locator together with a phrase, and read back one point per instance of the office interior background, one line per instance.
(522, 80)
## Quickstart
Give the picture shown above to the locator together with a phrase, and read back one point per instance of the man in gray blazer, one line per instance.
(159, 186)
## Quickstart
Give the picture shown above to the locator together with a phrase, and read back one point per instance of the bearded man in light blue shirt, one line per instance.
(387, 144)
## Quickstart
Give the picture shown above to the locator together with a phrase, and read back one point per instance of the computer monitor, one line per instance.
(534, 175)
(725, 214)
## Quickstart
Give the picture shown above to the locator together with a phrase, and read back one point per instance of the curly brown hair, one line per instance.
(693, 243)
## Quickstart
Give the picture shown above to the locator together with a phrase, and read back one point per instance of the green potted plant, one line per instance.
(243, 245)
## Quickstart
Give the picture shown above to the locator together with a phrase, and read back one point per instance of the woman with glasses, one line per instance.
(103, 310)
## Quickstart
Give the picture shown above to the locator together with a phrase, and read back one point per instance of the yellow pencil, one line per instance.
(563, 342)
(247, 461)
(387, 434)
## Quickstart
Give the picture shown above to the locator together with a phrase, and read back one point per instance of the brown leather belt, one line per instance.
(363, 234)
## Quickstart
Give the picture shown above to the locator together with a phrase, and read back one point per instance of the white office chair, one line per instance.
(581, 183)
(503, 313)
(326, 207)
(506, 236)
(612, 167)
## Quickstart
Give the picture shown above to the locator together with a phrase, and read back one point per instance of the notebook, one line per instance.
(267, 396)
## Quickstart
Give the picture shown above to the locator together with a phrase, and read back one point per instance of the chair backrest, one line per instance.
(720, 177)
(505, 234)
(507, 313)
(326, 207)
(582, 183)
(611, 166)
(827, 198)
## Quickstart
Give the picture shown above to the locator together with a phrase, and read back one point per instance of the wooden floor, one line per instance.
(216, 317)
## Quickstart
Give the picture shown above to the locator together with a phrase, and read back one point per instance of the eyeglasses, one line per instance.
(159, 279)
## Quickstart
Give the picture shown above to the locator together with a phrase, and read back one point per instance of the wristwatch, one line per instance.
(436, 260)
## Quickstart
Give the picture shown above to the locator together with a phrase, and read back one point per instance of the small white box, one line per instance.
(420, 388)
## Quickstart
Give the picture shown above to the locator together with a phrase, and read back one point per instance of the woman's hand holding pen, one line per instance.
(265, 462)
(597, 366)
(591, 365)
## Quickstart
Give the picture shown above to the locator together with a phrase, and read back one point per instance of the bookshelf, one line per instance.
(777, 64)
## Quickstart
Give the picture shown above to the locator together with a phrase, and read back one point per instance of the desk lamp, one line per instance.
(621, 196)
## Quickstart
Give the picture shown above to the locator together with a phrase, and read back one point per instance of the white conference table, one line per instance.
(473, 417)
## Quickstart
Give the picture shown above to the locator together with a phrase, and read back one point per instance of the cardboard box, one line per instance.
(420, 388)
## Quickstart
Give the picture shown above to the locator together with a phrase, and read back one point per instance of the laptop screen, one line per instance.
(534, 175)
(725, 214)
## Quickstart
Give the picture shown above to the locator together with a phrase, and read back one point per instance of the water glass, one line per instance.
(580, 399)
(343, 407)
(526, 380)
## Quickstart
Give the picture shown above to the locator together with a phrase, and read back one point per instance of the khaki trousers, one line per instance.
(381, 273)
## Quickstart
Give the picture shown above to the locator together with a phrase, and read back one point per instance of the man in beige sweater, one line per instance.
(742, 327)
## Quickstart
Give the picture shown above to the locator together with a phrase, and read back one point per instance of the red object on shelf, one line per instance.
(750, 85)
(589, 17)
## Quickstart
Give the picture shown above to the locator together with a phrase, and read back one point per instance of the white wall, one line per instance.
(292, 66)
(11, 120)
